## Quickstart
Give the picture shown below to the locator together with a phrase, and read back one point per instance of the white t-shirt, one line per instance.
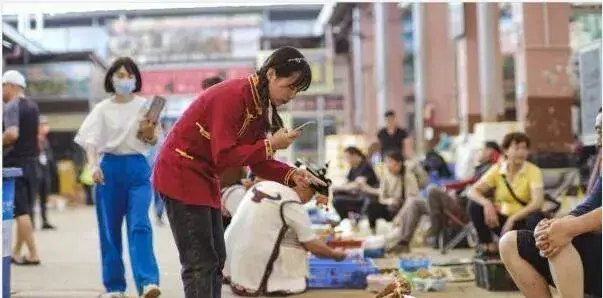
(111, 127)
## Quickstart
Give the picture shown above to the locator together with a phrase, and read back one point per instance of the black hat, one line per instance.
(493, 145)
(320, 173)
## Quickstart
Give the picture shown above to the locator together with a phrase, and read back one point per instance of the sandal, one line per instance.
(24, 262)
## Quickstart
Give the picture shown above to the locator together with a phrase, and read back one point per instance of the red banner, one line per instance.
(185, 81)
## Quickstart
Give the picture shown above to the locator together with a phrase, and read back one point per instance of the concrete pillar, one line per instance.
(467, 71)
(357, 67)
(369, 121)
(490, 70)
(381, 45)
(438, 60)
(544, 94)
(420, 73)
(394, 62)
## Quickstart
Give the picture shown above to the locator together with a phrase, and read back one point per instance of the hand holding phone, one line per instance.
(155, 109)
(299, 128)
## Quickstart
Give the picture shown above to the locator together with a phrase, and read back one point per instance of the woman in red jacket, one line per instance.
(232, 124)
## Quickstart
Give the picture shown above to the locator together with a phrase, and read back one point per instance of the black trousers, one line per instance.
(43, 190)
(346, 203)
(376, 210)
(199, 237)
(484, 233)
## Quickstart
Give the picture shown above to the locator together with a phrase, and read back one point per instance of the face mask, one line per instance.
(124, 86)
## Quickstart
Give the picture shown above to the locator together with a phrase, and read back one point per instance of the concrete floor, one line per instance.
(70, 265)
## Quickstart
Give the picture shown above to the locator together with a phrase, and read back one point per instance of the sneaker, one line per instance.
(112, 295)
(151, 291)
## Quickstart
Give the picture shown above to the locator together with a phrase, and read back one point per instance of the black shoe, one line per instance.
(433, 242)
(47, 226)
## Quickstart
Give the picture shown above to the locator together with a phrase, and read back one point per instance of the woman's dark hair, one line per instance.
(398, 157)
(130, 67)
(208, 82)
(515, 137)
(285, 61)
(355, 151)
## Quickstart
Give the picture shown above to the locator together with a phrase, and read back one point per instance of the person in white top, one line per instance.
(268, 240)
(117, 137)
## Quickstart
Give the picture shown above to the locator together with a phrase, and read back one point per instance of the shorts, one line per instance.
(588, 247)
(26, 187)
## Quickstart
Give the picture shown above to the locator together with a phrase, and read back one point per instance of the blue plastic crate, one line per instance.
(8, 195)
(347, 274)
(411, 265)
(374, 253)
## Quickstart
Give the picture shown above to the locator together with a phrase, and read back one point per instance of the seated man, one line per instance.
(349, 198)
(268, 240)
(518, 195)
(446, 198)
(564, 253)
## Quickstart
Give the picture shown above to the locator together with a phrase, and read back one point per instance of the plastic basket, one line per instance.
(347, 274)
(374, 253)
(492, 275)
(411, 265)
(8, 195)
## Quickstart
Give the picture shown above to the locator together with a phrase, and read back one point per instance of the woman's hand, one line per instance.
(97, 175)
(304, 178)
(282, 139)
(147, 128)
(491, 216)
(508, 226)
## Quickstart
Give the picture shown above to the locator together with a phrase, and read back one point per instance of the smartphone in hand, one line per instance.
(301, 127)
(155, 109)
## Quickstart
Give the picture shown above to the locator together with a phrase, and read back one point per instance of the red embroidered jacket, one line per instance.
(224, 127)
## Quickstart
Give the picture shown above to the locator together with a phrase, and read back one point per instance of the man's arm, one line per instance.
(297, 218)
(10, 136)
(320, 249)
(592, 201)
(11, 122)
(589, 222)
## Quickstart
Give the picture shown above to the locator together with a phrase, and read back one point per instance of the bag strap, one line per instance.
(511, 191)
(263, 288)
